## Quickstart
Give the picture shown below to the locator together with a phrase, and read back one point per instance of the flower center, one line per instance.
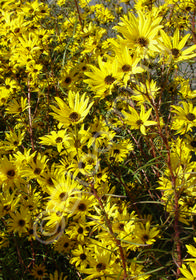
(126, 68)
(59, 140)
(66, 244)
(62, 196)
(40, 272)
(6, 207)
(145, 237)
(175, 52)
(109, 79)
(82, 207)
(190, 116)
(83, 257)
(21, 223)
(100, 266)
(116, 151)
(81, 165)
(139, 122)
(121, 226)
(143, 42)
(50, 182)
(80, 230)
(11, 173)
(68, 80)
(74, 117)
(37, 171)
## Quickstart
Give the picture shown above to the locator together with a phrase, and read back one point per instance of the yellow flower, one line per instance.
(19, 221)
(74, 113)
(14, 107)
(145, 234)
(188, 275)
(39, 271)
(140, 32)
(58, 139)
(80, 257)
(127, 64)
(103, 79)
(173, 47)
(138, 121)
(185, 118)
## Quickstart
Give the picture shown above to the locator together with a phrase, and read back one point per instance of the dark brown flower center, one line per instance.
(80, 230)
(66, 244)
(126, 68)
(58, 139)
(11, 173)
(175, 52)
(62, 196)
(116, 151)
(17, 30)
(109, 80)
(74, 117)
(37, 171)
(77, 144)
(68, 80)
(143, 42)
(139, 122)
(31, 231)
(82, 207)
(40, 272)
(188, 8)
(100, 266)
(190, 116)
(121, 226)
(145, 237)
(21, 223)
(6, 207)
(99, 175)
(82, 256)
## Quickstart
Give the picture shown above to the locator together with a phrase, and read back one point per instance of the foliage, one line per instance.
(97, 143)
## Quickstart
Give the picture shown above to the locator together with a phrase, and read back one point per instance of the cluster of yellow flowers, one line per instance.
(97, 142)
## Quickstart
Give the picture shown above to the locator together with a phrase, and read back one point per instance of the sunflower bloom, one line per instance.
(74, 113)
(140, 33)
(188, 275)
(173, 47)
(138, 121)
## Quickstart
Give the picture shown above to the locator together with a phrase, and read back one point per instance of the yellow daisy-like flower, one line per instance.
(145, 234)
(39, 271)
(58, 139)
(185, 118)
(103, 79)
(173, 47)
(138, 121)
(188, 275)
(74, 113)
(140, 32)
(8, 171)
(80, 256)
(15, 107)
(127, 64)
(19, 221)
